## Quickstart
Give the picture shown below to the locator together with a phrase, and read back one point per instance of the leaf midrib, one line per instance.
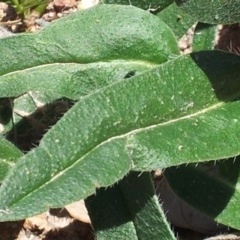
(140, 62)
(197, 113)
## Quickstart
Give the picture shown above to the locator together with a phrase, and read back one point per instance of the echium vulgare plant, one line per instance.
(138, 106)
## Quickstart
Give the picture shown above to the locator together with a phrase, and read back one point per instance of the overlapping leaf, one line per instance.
(176, 19)
(213, 12)
(8, 156)
(157, 119)
(212, 188)
(185, 110)
(74, 80)
(72, 60)
(74, 57)
(144, 4)
(70, 80)
(204, 37)
(103, 33)
(128, 211)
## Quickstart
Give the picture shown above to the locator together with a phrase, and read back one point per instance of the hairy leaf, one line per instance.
(212, 188)
(149, 219)
(157, 119)
(72, 60)
(130, 209)
(70, 80)
(176, 19)
(103, 33)
(110, 217)
(144, 4)
(213, 12)
(204, 37)
(8, 156)
(33, 114)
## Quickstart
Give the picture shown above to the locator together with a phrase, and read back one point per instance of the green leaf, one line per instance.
(28, 104)
(8, 156)
(129, 210)
(144, 4)
(204, 37)
(212, 188)
(103, 33)
(176, 19)
(70, 80)
(124, 50)
(83, 176)
(212, 12)
(143, 205)
(157, 119)
(109, 215)
(31, 69)
(34, 113)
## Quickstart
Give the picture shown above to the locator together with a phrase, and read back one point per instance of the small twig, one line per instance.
(10, 23)
(232, 236)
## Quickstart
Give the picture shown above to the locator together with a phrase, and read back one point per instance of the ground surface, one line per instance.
(58, 223)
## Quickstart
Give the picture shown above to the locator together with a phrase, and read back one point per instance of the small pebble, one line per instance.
(4, 32)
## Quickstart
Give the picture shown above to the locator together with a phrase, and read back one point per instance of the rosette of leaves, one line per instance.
(138, 106)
